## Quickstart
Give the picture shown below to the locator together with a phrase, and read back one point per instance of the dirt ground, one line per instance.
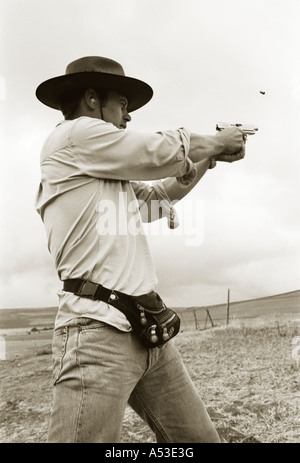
(245, 375)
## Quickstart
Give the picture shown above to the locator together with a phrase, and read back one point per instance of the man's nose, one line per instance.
(127, 117)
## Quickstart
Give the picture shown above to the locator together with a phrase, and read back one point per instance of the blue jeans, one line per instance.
(99, 369)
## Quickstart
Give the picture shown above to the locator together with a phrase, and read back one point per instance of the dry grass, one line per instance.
(244, 374)
(247, 379)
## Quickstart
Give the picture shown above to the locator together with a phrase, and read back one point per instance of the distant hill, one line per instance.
(279, 304)
(291, 300)
(286, 303)
(27, 318)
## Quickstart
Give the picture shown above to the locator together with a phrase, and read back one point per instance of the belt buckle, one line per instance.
(87, 289)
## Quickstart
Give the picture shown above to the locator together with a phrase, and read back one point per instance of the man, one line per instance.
(90, 166)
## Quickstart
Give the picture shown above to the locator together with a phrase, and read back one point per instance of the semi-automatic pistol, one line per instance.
(247, 128)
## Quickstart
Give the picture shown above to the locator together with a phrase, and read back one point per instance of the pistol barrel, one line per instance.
(249, 129)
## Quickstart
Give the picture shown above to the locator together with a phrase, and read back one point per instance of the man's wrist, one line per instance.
(204, 146)
(216, 143)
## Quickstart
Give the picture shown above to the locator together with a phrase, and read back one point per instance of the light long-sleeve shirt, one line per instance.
(92, 199)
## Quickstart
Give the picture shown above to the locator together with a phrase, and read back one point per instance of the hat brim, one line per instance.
(137, 92)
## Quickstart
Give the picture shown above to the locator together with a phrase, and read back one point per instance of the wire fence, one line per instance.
(201, 318)
(245, 311)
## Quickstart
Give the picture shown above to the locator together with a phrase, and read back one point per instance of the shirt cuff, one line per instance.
(189, 177)
(166, 204)
(190, 174)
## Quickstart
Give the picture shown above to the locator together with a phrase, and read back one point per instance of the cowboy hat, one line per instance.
(94, 72)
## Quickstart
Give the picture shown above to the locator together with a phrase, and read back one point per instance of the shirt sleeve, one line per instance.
(104, 151)
(155, 203)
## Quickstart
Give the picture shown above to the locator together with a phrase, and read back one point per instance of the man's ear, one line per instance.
(91, 98)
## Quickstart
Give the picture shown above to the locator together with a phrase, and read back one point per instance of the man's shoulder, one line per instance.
(86, 121)
(91, 126)
(81, 123)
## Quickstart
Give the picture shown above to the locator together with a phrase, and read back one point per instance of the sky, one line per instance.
(207, 61)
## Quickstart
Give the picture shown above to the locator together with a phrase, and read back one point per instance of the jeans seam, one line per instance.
(95, 326)
(152, 416)
(80, 408)
(65, 336)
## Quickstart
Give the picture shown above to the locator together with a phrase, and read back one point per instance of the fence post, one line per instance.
(208, 315)
(196, 321)
(228, 306)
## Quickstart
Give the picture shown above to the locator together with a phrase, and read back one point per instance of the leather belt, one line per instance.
(90, 290)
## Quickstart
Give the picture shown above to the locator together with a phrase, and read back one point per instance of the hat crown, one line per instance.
(95, 64)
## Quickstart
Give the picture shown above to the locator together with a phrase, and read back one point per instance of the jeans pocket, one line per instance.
(59, 343)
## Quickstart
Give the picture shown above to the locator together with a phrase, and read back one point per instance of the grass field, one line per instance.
(244, 373)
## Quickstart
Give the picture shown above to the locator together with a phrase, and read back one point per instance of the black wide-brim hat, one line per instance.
(98, 73)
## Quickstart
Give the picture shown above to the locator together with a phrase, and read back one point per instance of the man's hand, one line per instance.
(232, 139)
(234, 145)
(225, 143)
(232, 157)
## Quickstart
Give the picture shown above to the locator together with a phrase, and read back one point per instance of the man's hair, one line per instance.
(69, 102)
